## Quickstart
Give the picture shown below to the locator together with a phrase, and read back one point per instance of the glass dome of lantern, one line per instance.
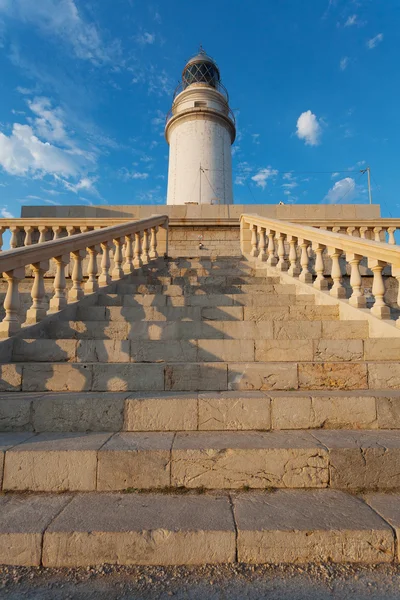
(201, 69)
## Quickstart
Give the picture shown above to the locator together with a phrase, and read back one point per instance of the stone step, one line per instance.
(203, 411)
(56, 462)
(266, 349)
(196, 376)
(129, 285)
(287, 526)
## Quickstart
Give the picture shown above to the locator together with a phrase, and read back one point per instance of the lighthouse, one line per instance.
(200, 130)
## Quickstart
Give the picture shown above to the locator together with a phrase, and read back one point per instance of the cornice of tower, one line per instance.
(205, 113)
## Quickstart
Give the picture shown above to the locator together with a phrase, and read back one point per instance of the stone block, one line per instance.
(382, 349)
(56, 377)
(159, 351)
(128, 377)
(135, 460)
(295, 526)
(225, 350)
(234, 411)
(292, 411)
(388, 507)
(43, 350)
(222, 313)
(210, 300)
(258, 460)
(340, 411)
(297, 330)
(7, 441)
(270, 313)
(15, 413)
(345, 330)
(362, 459)
(103, 351)
(141, 529)
(10, 378)
(331, 376)
(337, 350)
(260, 300)
(165, 411)
(78, 412)
(262, 376)
(196, 376)
(54, 462)
(384, 375)
(314, 313)
(283, 350)
(388, 410)
(147, 300)
(23, 520)
(247, 330)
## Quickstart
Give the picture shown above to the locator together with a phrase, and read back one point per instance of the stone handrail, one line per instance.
(265, 239)
(139, 239)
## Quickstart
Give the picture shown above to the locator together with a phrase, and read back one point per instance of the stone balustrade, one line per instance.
(286, 246)
(135, 243)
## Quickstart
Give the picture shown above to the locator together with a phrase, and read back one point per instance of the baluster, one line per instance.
(28, 235)
(105, 278)
(42, 236)
(92, 285)
(357, 298)
(320, 283)
(14, 236)
(59, 300)
(350, 230)
(396, 274)
(11, 323)
(2, 230)
(137, 261)
(70, 230)
(294, 269)
(282, 262)
(337, 290)
(391, 238)
(377, 234)
(117, 272)
(262, 244)
(363, 233)
(145, 248)
(272, 260)
(39, 307)
(379, 308)
(76, 292)
(153, 243)
(57, 232)
(84, 229)
(128, 266)
(254, 249)
(305, 275)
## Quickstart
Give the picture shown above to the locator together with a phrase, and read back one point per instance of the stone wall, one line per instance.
(184, 241)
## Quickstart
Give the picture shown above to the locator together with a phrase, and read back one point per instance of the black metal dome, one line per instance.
(201, 69)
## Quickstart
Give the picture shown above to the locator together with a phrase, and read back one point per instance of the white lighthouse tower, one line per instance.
(200, 130)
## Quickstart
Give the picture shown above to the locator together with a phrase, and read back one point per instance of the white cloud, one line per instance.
(334, 175)
(62, 19)
(263, 175)
(287, 176)
(256, 138)
(145, 38)
(308, 128)
(343, 190)
(290, 186)
(344, 63)
(351, 20)
(243, 172)
(86, 183)
(373, 42)
(5, 213)
(126, 174)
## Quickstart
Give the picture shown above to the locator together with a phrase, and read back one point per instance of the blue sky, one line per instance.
(85, 86)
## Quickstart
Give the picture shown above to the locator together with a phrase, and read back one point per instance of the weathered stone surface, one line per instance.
(283, 350)
(225, 350)
(15, 412)
(362, 460)
(337, 350)
(23, 520)
(89, 330)
(196, 376)
(222, 313)
(78, 412)
(103, 351)
(388, 507)
(246, 330)
(345, 330)
(269, 313)
(141, 529)
(159, 351)
(382, 349)
(388, 410)
(314, 313)
(234, 411)
(164, 411)
(10, 378)
(7, 441)
(292, 411)
(44, 350)
(258, 460)
(293, 526)
(329, 376)
(262, 376)
(54, 462)
(128, 377)
(339, 410)
(260, 300)
(297, 330)
(384, 375)
(56, 377)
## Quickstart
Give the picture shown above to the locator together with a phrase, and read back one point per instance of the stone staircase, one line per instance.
(199, 412)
